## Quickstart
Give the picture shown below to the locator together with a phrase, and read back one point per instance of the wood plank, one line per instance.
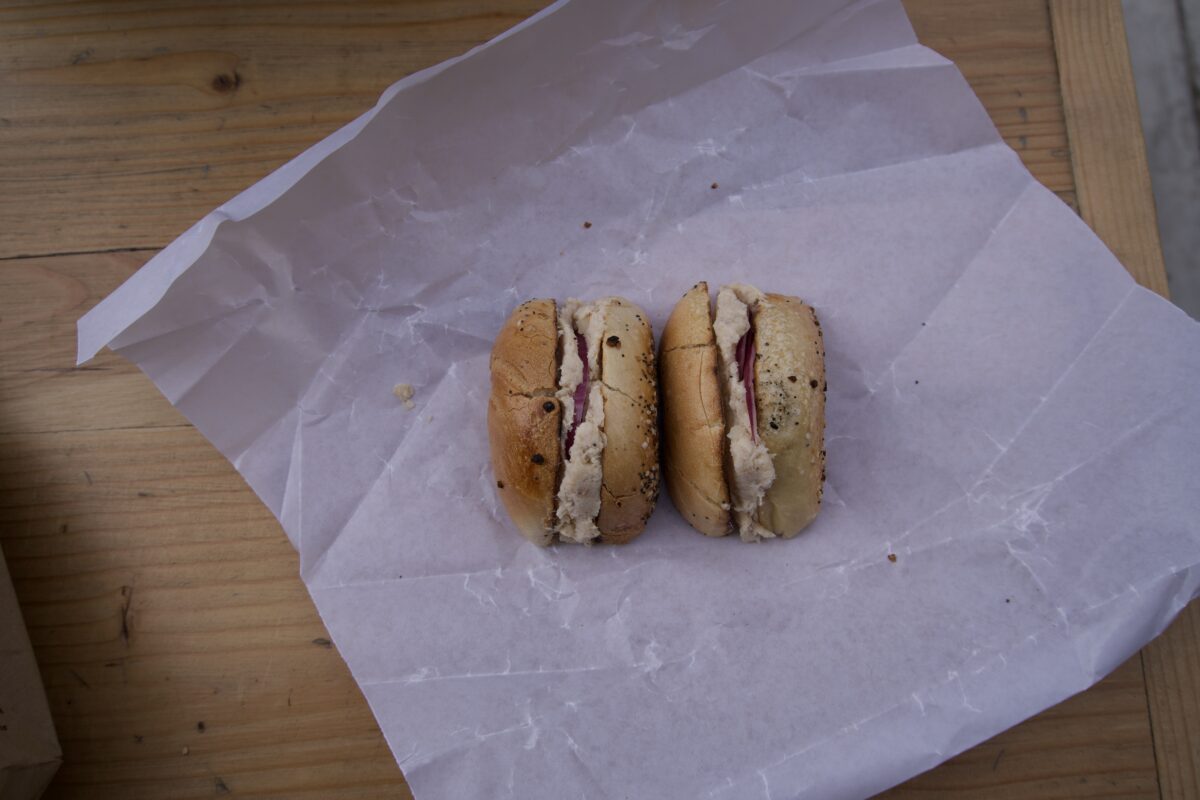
(1006, 52)
(1172, 663)
(158, 591)
(35, 360)
(1113, 185)
(159, 595)
(1095, 744)
(135, 118)
(1112, 180)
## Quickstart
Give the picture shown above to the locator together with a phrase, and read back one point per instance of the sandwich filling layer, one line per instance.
(581, 330)
(749, 461)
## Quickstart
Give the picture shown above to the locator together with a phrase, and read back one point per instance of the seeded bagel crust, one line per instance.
(524, 418)
(629, 387)
(790, 399)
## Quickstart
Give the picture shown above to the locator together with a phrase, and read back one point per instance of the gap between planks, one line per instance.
(27, 256)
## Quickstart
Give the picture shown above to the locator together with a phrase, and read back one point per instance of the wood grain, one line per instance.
(181, 654)
(1172, 662)
(1006, 52)
(1112, 179)
(134, 118)
(159, 592)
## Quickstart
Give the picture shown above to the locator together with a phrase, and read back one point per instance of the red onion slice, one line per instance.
(581, 392)
(746, 352)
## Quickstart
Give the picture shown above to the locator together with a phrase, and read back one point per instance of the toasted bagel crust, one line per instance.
(523, 428)
(693, 421)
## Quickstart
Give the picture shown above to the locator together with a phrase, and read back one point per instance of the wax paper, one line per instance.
(1008, 414)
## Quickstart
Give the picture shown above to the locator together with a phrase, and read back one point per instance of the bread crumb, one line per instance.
(185, 750)
(404, 392)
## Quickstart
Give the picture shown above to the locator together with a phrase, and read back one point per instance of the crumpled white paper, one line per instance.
(1009, 414)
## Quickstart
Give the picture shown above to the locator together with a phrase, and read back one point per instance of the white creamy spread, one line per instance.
(579, 491)
(753, 472)
(570, 370)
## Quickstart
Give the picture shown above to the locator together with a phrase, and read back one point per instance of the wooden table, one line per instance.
(180, 651)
